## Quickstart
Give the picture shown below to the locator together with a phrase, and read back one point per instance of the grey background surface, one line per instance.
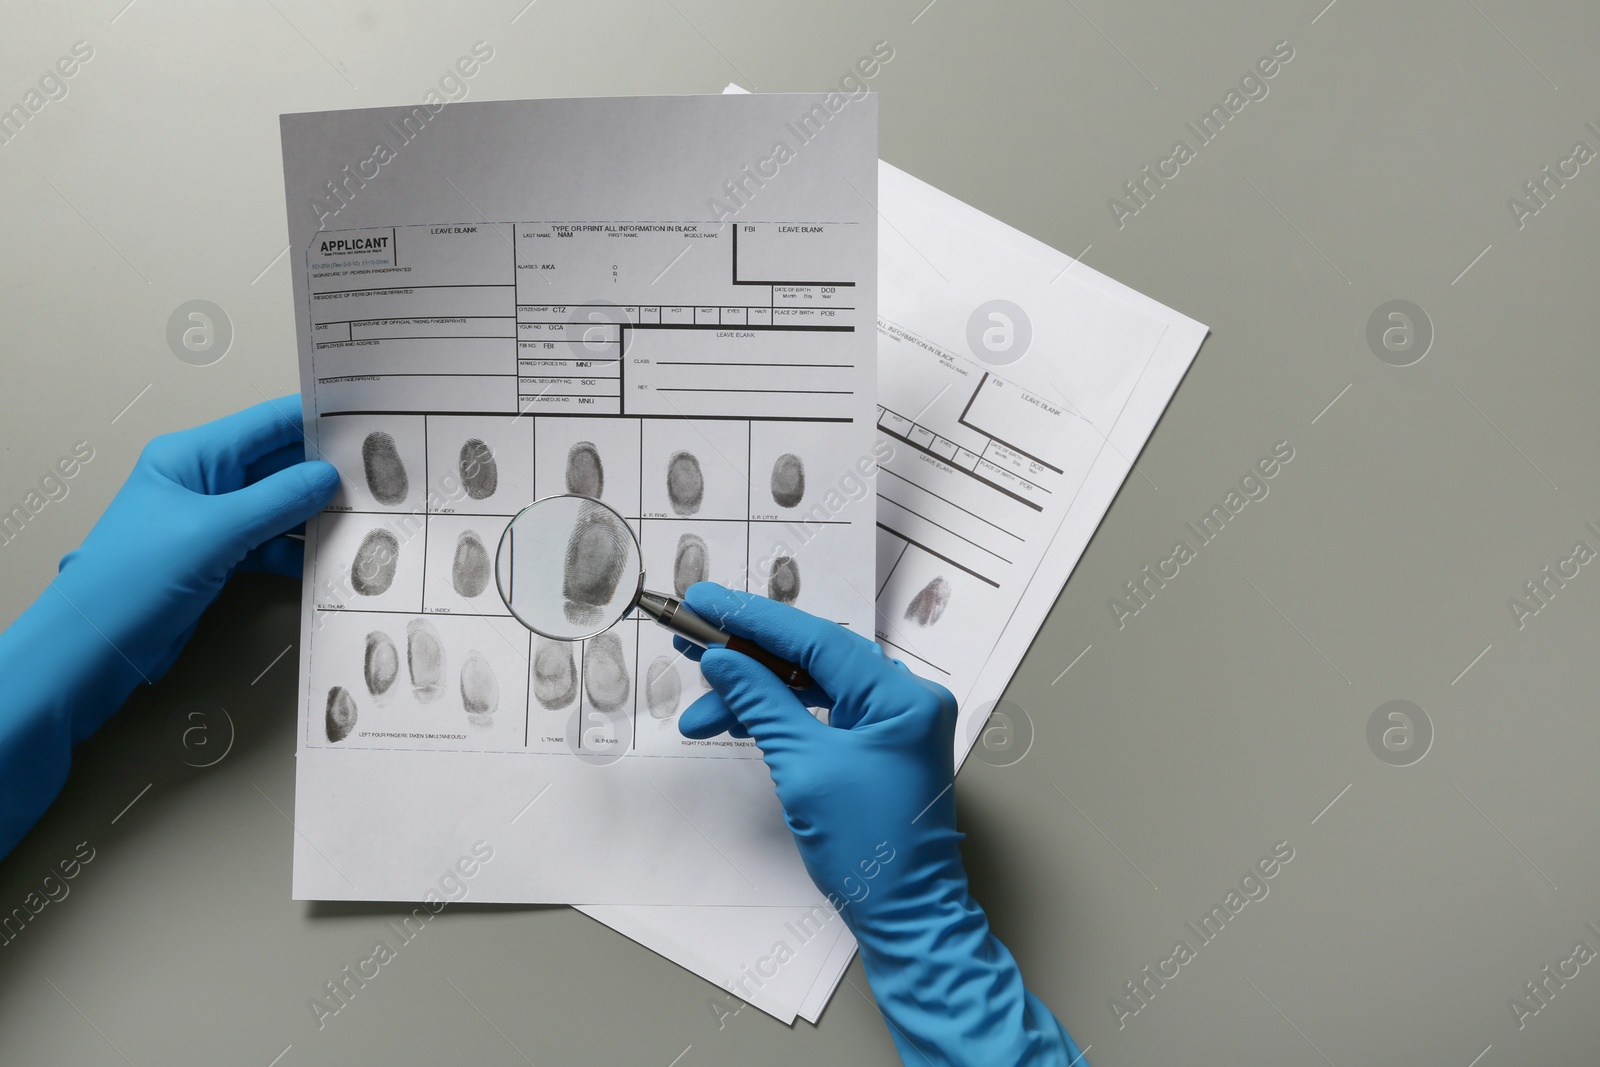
(1221, 719)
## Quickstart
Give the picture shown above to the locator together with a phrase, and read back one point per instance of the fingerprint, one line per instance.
(926, 607)
(788, 480)
(480, 691)
(469, 571)
(686, 486)
(663, 685)
(386, 475)
(480, 474)
(341, 714)
(783, 582)
(586, 475)
(555, 674)
(372, 571)
(605, 673)
(424, 660)
(382, 663)
(691, 564)
(597, 553)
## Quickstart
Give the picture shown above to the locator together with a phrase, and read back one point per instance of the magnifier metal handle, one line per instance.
(678, 618)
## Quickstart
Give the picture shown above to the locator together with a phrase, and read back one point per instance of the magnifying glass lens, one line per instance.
(568, 567)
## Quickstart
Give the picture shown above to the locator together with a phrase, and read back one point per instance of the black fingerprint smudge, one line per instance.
(597, 552)
(386, 474)
(372, 571)
(381, 665)
(555, 674)
(686, 486)
(341, 718)
(469, 571)
(927, 606)
(783, 581)
(424, 660)
(788, 480)
(586, 475)
(605, 673)
(691, 563)
(480, 474)
(480, 690)
(663, 685)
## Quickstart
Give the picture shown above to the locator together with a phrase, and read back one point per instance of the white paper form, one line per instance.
(982, 260)
(529, 298)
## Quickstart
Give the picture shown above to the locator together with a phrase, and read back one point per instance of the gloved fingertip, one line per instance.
(322, 480)
(705, 588)
(696, 731)
(721, 667)
(305, 488)
(706, 718)
(278, 502)
(713, 601)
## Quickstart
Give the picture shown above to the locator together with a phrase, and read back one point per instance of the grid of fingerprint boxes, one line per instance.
(415, 648)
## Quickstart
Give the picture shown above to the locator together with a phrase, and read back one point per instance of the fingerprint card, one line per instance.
(711, 381)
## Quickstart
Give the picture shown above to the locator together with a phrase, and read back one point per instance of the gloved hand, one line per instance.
(198, 505)
(869, 797)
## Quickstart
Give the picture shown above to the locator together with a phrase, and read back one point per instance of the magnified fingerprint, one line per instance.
(597, 553)
(555, 674)
(424, 660)
(691, 564)
(469, 571)
(382, 663)
(341, 718)
(663, 685)
(783, 582)
(686, 486)
(480, 474)
(586, 475)
(788, 480)
(480, 690)
(605, 673)
(927, 606)
(372, 571)
(386, 474)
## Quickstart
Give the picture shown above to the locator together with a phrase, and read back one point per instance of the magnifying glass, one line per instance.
(569, 568)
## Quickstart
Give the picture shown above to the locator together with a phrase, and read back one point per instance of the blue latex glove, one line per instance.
(198, 505)
(869, 797)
